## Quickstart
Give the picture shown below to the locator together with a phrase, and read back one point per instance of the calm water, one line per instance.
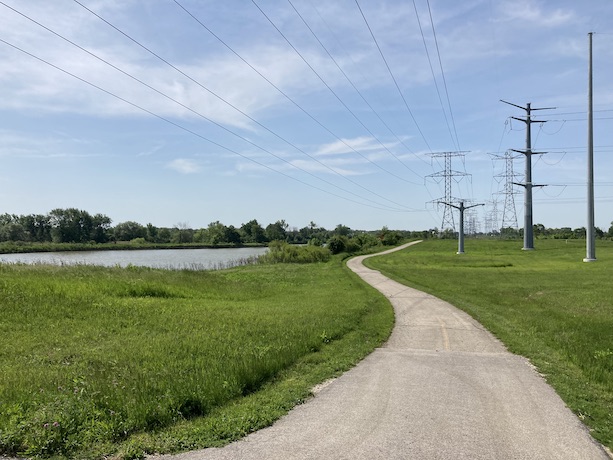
(196, 259)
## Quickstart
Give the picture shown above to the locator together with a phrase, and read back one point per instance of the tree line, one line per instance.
(78, 226)
(73, 225)
(562, 233)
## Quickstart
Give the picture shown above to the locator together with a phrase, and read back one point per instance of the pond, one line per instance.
(177, 259)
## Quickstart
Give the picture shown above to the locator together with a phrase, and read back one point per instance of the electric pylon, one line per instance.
(447, 174)
(509, 213)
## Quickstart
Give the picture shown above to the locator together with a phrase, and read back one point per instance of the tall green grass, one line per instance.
(545, 304)
(99, 360)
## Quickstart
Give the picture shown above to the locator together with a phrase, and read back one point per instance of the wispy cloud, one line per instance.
(359, 144)
(184, 166)
(532, 12)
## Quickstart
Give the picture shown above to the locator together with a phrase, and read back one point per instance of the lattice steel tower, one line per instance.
(509, 212)
(447, 175)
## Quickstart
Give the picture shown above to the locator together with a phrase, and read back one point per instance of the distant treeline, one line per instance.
(77, 226)
(563, 233)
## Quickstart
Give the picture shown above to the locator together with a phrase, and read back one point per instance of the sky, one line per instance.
(186, 112)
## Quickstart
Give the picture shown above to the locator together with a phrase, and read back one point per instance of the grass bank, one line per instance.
(109, 362)
(546, 305)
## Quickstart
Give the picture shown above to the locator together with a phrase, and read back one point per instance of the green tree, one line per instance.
(342, 230)
(253, 232)
(232, 235)
(71, 225)
(13, 231)
(151, 234)
(163, 235)
(579, 233)
(366, 240)
(181, 233)
(38, 227)
(128, 231)
(216, 233)
(277, 231)
(539, 230)
(388, 237)
(101, 226)
(599, 232)
(201, 235)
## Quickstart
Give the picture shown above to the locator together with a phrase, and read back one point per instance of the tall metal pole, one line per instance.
(461, 234)
(528, 232)
(590, 239)
(528, 185)
(461, 208)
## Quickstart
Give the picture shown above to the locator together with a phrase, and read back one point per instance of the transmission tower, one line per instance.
(447, 175)
(491, 217)
(472, 222)
(509, 213)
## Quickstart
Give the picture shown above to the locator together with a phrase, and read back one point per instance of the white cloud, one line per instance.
(532, 11)
(184, 166)
(359, 144)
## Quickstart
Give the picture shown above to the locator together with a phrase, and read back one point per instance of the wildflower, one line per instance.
(56, 424)
(45, 425)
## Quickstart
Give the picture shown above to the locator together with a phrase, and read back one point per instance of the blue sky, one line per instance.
(328, 111)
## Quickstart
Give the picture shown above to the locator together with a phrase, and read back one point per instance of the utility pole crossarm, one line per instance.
(524, 152)
(523, 108)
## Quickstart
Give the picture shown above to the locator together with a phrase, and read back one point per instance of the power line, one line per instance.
(302, 109)
(208, 119)
(248, 116)
(438, 52)
(335, 95)
(406, 104)
(354, 87)
(177, 125)
(434, 76)
(338, 42)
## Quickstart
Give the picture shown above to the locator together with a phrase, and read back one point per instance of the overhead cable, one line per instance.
(177, 125)
(406, 104)
(336, 96)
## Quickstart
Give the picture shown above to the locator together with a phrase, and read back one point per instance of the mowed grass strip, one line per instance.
(101, 361)
(546, 305)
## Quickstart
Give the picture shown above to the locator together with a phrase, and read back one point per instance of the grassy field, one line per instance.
(109, 362)
(546, 305)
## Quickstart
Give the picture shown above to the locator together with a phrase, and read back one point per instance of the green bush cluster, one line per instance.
(282, 252)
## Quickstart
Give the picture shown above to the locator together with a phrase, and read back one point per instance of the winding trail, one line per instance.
(442, 387)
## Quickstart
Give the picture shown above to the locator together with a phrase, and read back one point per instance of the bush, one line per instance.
(282, 252)
(337, 244)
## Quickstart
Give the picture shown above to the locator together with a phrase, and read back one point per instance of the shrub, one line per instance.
(282, 252)
(337, 244)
